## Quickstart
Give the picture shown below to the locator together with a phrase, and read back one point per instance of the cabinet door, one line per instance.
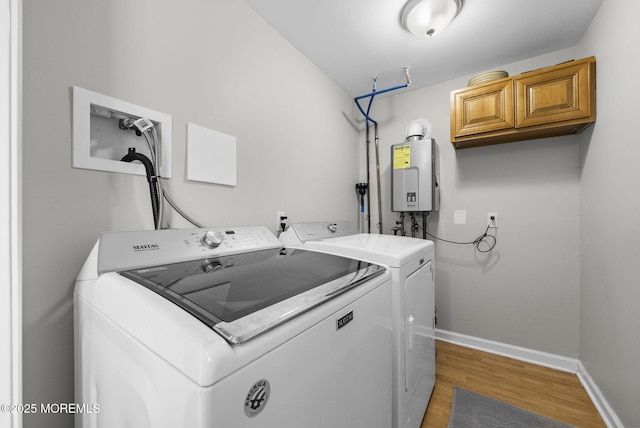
(482, 108)
(561, 94)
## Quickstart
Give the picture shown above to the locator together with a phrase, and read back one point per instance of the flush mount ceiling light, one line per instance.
(428, 17)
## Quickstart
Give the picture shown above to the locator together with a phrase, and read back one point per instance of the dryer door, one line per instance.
(419, 301)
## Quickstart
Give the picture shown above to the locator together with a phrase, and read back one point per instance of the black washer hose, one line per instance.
(152, 179)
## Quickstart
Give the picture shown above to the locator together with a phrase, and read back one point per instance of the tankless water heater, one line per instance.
(414, 178)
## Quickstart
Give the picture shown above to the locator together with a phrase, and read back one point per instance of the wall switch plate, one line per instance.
(460, 217)
(492, 220)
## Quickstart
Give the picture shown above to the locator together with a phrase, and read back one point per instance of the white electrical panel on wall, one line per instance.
(98, 141)
(211, 156)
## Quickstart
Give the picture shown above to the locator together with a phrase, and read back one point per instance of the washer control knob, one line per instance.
(333, 228)
(212, 239)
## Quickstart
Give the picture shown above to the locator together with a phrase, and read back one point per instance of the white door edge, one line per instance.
(10, 214)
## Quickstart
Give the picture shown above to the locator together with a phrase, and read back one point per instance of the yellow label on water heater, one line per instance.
(402, 157)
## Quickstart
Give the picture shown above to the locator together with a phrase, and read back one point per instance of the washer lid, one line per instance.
(243, 295)
(391, 250)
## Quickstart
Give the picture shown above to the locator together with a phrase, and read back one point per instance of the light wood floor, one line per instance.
(551, 393)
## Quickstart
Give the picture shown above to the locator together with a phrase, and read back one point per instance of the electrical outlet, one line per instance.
(492, 220)
(280, 220)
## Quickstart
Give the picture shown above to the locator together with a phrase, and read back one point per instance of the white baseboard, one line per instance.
(545, 359)
(606, 411)
(558, 362)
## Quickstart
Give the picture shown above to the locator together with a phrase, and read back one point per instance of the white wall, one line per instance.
(526, 291)
(214, 63)
(610, 214)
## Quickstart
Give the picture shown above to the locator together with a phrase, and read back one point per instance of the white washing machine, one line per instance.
(224, 328)
(411, 263)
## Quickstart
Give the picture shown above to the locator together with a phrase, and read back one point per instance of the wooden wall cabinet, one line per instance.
(548, 102)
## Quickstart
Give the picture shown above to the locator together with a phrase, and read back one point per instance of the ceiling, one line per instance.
(355, 41)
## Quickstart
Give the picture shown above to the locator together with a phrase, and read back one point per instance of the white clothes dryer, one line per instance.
(224, 328)
(411, 263)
